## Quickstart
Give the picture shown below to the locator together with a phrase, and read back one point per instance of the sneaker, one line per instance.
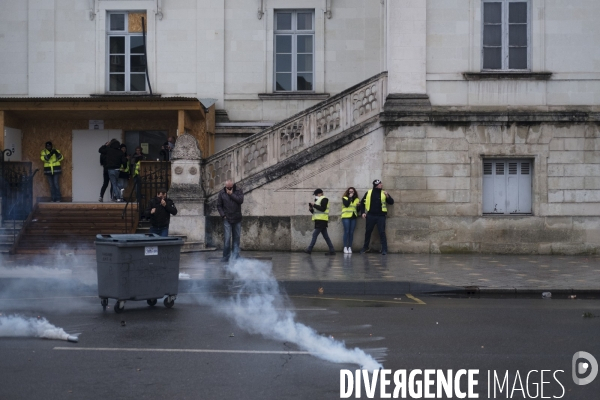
(349, 250)
(100, 199)
(383, 252)
(363, 250)
(119, 200)
(330, 253)
(307, 251)
(225, 259)
(345, 250)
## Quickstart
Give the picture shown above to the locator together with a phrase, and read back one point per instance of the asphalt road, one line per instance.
(194, 351)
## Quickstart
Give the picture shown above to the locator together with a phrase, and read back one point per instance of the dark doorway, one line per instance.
(150, 141)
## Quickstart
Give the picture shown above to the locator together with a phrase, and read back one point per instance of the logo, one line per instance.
(580, 367)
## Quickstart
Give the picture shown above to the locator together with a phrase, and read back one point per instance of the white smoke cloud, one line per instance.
(259, 308)
(19, 326)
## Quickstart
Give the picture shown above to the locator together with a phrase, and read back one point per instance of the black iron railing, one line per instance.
(154, 176)
(16, 189)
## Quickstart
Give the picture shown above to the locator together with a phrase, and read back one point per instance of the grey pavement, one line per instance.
(356, 274)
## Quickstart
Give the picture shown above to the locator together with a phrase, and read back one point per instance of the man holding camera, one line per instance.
(52, 158)
(320, 212)
(229, 204)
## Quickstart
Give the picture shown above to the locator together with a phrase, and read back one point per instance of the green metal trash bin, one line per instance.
(137, 267)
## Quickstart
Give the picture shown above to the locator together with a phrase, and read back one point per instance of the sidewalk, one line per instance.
(368, 274)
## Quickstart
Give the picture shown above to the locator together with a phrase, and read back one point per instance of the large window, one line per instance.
(507, 186)
(294, 50)
(506, 35)
(126, 58)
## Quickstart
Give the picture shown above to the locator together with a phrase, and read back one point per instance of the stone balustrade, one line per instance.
(285, 139)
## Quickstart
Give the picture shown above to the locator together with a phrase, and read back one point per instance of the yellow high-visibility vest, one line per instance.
(54, 161)
(348, 212)
(368, 201)
(321, 215)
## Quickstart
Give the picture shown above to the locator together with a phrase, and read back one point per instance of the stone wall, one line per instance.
(434, 171)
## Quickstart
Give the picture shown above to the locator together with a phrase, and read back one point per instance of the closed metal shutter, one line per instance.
(507, 186)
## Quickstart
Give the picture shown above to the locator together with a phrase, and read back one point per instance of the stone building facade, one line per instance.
(480, 116)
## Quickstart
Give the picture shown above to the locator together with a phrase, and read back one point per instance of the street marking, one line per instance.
(417, 301)
(410, 296)
(179, 350)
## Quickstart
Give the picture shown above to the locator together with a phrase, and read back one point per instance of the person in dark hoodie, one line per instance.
(320, 212)
(105, 179)
(160, 210)
(374, 205)
(114, 159)
(229, 205)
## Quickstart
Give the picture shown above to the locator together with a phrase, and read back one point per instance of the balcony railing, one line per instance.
(285, 139)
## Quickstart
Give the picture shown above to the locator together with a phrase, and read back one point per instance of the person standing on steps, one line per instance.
(320, 212)
(105, 178)
(114, 159)
(160, 210)
(52, 158)
(350, 203)
(374, 205)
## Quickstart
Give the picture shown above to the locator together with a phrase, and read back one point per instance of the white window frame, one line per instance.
(505, 30)
(294, 32)
(509, 192)
(127, 35)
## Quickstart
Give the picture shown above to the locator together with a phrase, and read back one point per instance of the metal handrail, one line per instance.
(10, 211)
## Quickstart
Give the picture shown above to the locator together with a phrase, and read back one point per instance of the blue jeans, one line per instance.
(54, 186)
(373, 220)
(236, 230)
(113, 175)
(349, 225)
(160, 231)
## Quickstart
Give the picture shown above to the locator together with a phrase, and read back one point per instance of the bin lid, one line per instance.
(136, 238)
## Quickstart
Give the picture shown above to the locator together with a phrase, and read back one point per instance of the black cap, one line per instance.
(48, 143)
(317, 191)
(376, 182)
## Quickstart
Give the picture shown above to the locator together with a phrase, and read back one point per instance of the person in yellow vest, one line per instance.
(374, 205)
(52, 158)
(350, 204)
(135, 167)
(320, 212)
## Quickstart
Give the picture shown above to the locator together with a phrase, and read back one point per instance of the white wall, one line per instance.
(221, 49)
(564, 34)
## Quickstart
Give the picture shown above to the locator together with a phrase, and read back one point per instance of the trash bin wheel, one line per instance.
(168, 303)
(104, 303)
(151, 302)
(118, 308)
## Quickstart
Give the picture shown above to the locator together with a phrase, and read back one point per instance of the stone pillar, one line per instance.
(406, 50)
(187, 193)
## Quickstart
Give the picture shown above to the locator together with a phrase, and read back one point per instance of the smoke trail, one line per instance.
(258, 307)
(18, 326)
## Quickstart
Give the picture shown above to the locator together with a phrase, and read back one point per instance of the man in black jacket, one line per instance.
(114, 159)
(160, 210)
(374, 205)
(229, 204)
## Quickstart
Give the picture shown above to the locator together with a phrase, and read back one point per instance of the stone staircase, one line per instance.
(69, 227)
(297, 141)
(8, 232)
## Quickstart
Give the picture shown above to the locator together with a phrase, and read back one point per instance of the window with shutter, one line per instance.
(507, 186)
